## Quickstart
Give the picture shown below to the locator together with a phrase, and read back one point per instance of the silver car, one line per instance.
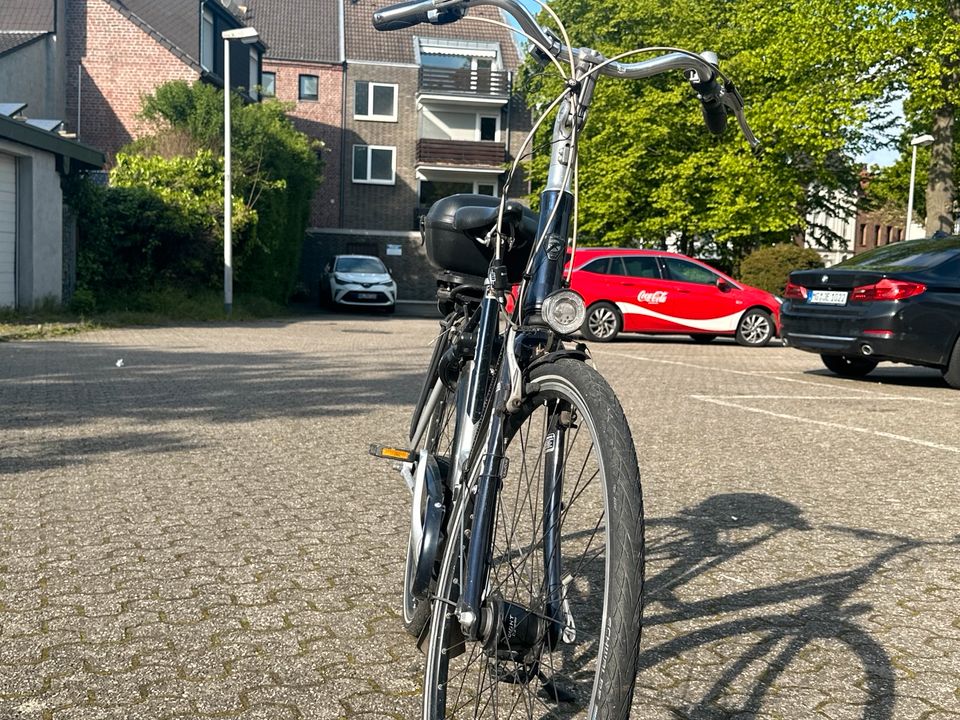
(358, 281)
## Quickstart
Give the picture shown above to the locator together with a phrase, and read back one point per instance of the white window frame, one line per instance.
(274, 76)
(496, 135)
(476, 186)
(370, 114)
(368, 180)
(207, 41)
(300, 78)
(254, 70)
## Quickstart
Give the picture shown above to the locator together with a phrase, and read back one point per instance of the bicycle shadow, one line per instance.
(700, 539)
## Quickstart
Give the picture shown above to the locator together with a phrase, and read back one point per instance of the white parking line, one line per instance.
(874, 394)
(824, 423)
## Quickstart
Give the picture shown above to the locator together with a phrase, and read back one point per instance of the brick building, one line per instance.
(405, 117)
(120, 50)
(303, 66)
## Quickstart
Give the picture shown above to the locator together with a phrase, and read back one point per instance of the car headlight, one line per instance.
(337, 280)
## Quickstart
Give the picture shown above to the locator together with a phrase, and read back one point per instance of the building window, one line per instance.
(375, 101)
(374, 164)
(433, 190)
(309, 85)
(254, 73)
(268, 85)
(487, 127)
(206, 41)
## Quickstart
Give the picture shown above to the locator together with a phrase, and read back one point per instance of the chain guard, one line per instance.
(426, 522)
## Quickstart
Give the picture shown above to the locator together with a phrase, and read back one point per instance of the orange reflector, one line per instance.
(390, 453)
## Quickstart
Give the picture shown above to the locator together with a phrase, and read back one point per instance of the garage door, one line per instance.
(8, 229)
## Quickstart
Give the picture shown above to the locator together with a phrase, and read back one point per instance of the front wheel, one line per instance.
(847, 366)
(602, 323)
(755, 328)
(560, 618)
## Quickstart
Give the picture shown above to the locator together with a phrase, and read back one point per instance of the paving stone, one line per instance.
(201, 533)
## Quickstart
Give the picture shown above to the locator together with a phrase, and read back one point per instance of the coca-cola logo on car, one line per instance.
(654, 298)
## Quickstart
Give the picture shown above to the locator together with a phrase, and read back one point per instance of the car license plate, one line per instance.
(366, 296)
(827, 297)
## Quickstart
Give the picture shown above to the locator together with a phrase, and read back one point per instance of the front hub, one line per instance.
(510, 631)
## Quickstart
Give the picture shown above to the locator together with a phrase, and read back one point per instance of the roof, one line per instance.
(298, 29)
(364, 42)
(13, 40)
(24, 21)
(32, 16)
(71, 151)
(175, 21)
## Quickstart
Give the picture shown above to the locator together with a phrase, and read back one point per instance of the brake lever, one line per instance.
(732, 98)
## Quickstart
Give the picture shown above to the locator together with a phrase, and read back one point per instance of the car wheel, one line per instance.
(847, 366)
(389, 309)
(951, 373)
(755, 328)
(702, 339)
(603, 323)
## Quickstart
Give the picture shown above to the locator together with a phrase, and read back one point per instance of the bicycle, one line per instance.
(524, 571)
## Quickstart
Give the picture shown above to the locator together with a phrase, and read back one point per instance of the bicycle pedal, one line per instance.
(391, 453)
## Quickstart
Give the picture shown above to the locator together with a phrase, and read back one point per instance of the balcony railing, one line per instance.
(460, 152)
(492, 83)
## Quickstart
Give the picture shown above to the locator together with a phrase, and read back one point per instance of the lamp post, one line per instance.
(918, 141)
(248, 36)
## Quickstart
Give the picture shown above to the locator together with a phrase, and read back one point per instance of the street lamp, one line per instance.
(248, 36)
(918, 141)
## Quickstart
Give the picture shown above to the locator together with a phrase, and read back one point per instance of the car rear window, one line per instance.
(909, 256)
(360, 265)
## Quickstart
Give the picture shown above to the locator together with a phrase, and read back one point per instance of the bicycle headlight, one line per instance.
(564, 311)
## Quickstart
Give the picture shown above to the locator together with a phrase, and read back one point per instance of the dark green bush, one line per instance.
(768, 267)
(160, 221)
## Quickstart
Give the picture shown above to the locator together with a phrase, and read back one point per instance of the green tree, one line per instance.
(812, 75)
(276, 170)
(930, 37)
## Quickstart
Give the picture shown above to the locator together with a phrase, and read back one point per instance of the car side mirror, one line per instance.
(723, 285)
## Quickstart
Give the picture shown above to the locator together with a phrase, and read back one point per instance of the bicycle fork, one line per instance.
(508, 630)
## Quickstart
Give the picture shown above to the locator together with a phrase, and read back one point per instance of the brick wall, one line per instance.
(119, 64)
(320, 119)
(876, 228)
(382, 207)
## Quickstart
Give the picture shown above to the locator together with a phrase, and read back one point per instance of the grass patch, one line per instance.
(163, 306)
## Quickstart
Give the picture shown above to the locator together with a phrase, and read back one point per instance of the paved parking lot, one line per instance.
(196, 531)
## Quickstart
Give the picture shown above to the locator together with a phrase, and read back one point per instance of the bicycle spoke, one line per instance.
(544, 602)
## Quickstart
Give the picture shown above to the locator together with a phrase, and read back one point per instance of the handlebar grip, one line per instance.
(712, 106)
(402, 15)
(407, 14)
(714, 115)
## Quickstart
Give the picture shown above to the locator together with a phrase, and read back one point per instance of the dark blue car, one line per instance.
(898, 302)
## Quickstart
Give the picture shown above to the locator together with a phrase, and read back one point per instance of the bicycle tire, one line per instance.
(464, 679)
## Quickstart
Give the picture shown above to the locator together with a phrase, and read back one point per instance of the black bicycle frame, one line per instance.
(545, 276)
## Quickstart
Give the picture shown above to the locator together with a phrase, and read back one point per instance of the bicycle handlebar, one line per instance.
(413, 12)
(702, 70)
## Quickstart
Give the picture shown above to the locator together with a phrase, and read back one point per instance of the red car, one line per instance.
(647, 291)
